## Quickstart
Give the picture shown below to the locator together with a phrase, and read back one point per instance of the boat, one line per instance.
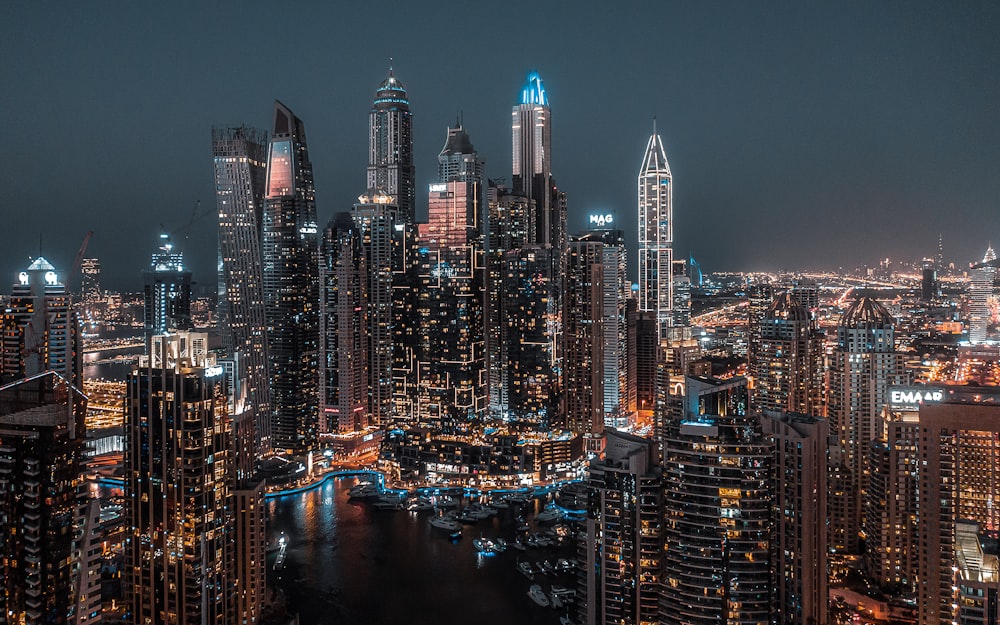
(500, 504)
(519, 545)
(465, 517)
(455, 535)
(538, 595)
(562, 564)
(364, 490)
(526, 570)
(420, 504)
(566, 620)
(547, 567)
(483, 545)
(500, 544)
(549, 515)
(444, 523)
(556, 601)
(446, 501)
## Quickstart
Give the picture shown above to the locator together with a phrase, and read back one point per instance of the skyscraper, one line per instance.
(980, 290)
(798, 517)
(716, 523)
(41, 331)
(90, 286)
(390, 146)
(531, 130)
(291, 284)
(656, 234)
(788, 369)
(452, 335)
(623, 548)
(180, 559)
(584, 336)
(167, 290)
(343, 367)
(240, 160)
(41, 530)
(377, 218)
(760, 295)
(862, 367)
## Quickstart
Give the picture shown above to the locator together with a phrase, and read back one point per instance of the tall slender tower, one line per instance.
(452, 351)
(343, 380)
(656, 234)
(240, 160)
(390, 146)
(291, 284)
(862, 367)
(979, 292)
(377, 216)
(531, 129)
(584, 336)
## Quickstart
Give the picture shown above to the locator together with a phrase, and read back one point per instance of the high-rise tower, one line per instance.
(291, 284)
(788, 369)
(452, 350)
(390, 146)
(716, 503)
(43, 560)
(623, 548)
(343, 367)
(167, 289)
(40, 330)
(240, 159)
(584, 336)
(979, 292)
(656, 234)
(531, 130)
(862, 367)
(180, 559)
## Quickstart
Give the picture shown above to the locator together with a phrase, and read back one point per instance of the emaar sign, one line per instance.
(911, 397)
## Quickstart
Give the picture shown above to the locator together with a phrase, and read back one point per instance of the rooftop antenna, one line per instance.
(390, 66)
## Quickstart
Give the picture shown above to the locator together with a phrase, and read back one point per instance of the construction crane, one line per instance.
(79, 259)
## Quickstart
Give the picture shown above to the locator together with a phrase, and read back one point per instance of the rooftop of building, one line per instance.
(865, 310)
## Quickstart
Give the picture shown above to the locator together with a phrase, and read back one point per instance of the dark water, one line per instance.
(349, 563)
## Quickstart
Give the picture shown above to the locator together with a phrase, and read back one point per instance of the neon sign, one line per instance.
(601, 220)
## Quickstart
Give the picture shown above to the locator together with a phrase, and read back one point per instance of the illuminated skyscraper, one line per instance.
(798, 516)
(167, 291)
(377, 218)
(788, 370)
(980, 290)
(760, 295)
(862, 367)
(959, 446)
(240, 159)
(42, 571)
(291, 284)
(343, 367)
(584, 336)
(390, 146)
(90, 287)
(623, 545)
(41, 332)
(452, 350)
(717, 516)
(656, 235)
(180, 557)
(531, 129)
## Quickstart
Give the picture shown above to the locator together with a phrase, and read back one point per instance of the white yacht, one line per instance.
(538, 595)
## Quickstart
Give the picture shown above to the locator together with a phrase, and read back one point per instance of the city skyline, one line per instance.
(778, 121)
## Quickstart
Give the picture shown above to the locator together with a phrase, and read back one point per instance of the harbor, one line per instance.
(344, 556)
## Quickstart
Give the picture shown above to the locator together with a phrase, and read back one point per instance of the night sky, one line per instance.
(800, 135)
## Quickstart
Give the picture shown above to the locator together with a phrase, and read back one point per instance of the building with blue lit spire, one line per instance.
(390, 146)
(531, 131)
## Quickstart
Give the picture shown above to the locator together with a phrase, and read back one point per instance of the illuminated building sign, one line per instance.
(908, 398)
(211, 372)
(438, 188)
(279, 171)
(601, 220)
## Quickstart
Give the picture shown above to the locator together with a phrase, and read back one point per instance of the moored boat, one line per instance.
(538, 595)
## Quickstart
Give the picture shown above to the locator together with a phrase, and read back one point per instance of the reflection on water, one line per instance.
(350, 563)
